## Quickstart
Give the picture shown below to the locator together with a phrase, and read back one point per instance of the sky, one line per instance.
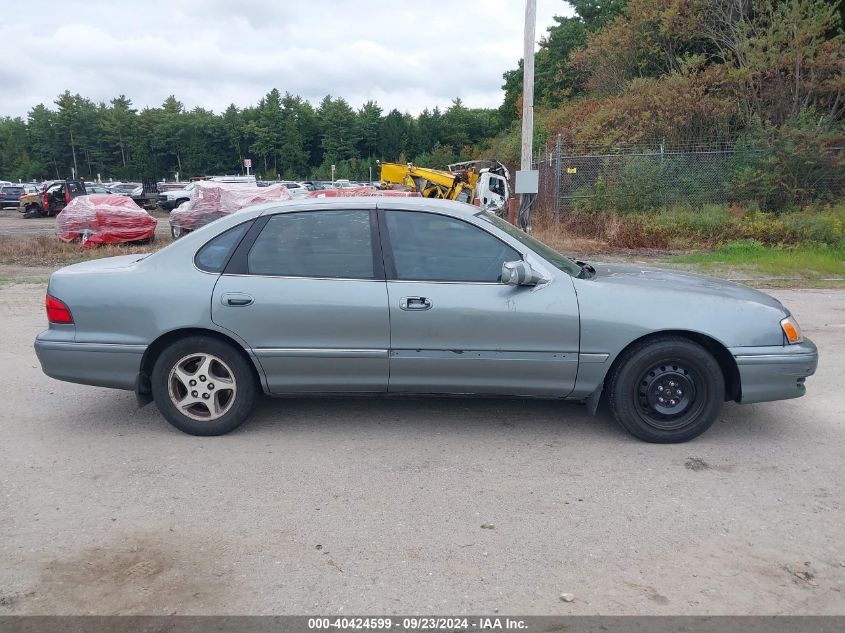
(211, 53)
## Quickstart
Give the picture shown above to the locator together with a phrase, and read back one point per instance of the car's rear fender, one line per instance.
(154, 350)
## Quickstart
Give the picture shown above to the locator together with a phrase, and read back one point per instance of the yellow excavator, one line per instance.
(482, 182)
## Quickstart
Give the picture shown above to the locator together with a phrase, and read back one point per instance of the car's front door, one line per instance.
(308, 295)
(455, 328)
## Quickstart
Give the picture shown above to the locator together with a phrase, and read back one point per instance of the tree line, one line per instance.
(284, 135)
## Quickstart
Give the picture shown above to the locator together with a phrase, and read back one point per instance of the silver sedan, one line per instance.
(411, 296)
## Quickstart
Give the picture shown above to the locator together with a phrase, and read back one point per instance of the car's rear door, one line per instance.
(306, 290)
(455, 328)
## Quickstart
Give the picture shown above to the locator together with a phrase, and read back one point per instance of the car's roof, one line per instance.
(444, 207)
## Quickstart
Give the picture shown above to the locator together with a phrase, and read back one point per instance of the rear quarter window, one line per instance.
(214, 255)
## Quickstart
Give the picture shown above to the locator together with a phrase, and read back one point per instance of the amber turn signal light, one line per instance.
(791, 330)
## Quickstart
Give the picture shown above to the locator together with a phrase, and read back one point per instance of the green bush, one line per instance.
(787, 166)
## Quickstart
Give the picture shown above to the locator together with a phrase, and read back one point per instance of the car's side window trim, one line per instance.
(375, 244)
(238, 263)
(390, 263)
(386, 247)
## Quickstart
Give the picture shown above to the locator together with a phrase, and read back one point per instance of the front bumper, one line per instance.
(97, 364)
(775, 373)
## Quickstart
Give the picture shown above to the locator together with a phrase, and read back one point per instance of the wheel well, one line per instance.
(733, 386)
(155, 349)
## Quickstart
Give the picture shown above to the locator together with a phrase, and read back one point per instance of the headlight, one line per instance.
(791, 330)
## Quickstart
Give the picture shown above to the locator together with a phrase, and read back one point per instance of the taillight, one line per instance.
(44, 200)
(57, 311)
(67, 194)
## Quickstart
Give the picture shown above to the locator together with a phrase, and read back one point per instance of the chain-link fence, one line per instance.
(638, 178)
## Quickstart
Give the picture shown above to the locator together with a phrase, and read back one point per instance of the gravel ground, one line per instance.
(375, 505)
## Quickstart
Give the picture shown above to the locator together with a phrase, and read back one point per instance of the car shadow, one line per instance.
(430, 414)
(507, 417)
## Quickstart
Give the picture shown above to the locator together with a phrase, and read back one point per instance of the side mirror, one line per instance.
(519, 273)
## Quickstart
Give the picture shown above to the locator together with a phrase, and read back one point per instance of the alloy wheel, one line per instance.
(202, 386)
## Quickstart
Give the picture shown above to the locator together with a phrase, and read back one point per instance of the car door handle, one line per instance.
(415, 303)
(236, 299)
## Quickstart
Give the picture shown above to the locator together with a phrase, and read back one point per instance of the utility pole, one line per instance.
(527, 179)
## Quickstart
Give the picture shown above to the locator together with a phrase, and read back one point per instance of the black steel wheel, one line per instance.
(666, 389)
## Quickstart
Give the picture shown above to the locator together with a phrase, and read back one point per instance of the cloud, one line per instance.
(211, 53)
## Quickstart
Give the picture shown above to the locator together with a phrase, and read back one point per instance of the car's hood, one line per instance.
(679, 281)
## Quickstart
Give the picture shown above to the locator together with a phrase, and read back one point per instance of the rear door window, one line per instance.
(315, 244)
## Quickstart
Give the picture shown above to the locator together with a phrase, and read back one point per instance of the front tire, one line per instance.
(203, 386)
(33, 211)
(666, 390)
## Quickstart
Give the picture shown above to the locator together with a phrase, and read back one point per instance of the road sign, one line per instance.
(247, 162)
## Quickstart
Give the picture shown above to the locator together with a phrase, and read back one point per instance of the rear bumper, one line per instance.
(775, 373)
(97, 364)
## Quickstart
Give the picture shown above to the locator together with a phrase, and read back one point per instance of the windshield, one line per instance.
(557, 260)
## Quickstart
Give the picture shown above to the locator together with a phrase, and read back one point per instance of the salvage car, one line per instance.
(412, 296)
(211, 200)
(94, 188)
(53, 196)
(105, 219)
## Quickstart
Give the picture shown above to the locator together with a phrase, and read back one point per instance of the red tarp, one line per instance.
(360, 191)
(212, 200)
(104, 219)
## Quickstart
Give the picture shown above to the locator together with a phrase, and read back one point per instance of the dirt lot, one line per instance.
(369, 505)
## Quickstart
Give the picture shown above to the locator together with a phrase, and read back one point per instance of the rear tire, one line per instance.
(203, 386)
(666, 390)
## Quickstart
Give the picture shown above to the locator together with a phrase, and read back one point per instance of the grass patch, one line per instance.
(44, 250)
(692, 227)
(814, 262)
